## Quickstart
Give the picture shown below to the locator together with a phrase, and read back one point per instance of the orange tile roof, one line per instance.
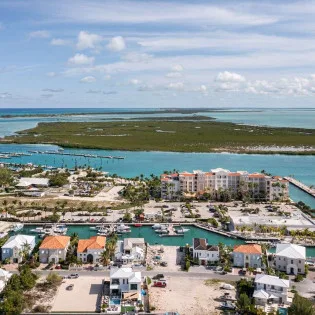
(234, 174)
(55, 242)
(187, 174)
(256, 175)
(248, 249)
(95, 242)
(209, 174)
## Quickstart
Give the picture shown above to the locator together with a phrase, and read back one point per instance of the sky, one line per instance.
(112, 54)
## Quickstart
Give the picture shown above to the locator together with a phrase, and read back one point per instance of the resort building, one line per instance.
(124, 281)
(269, 289)
(13, 248)
(130, 250)
(53, 249)
(204, 252)
(290, 258)
(247, 255)
(258, 186)
(90, 250)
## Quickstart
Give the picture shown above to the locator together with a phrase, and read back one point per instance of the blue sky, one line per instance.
(157, 53)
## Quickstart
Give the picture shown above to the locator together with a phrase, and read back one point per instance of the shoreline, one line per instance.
(299, 151)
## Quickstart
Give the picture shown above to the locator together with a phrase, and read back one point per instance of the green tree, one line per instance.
(301, 306)
(6, 177)
(245, 306)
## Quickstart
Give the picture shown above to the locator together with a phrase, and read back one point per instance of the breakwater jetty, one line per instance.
(300, 185)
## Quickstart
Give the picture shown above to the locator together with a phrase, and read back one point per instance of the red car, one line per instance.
(159, 283)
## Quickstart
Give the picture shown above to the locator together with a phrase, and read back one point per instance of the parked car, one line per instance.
(73, 276)
(163, 264)
(242, 271)
(159, 283)
(227, 305)
(70, 287)
(227, 286)
(158, 276)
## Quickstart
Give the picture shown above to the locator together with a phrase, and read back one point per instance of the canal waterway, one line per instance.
(146, 232)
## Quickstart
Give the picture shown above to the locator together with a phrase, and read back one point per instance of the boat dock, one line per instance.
(171, 232)
(300, 185)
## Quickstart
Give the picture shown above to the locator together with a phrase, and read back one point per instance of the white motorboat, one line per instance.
(159, 226)
(60, 229)
(39, 230)
(102, 233)
(122, 228)
(16, 227)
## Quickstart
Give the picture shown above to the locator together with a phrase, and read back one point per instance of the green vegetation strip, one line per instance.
(178, 136)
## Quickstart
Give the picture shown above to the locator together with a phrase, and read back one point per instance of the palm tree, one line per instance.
(104, 258)
(25, 251)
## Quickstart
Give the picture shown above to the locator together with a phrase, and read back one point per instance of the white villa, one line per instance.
(12, 248)
(130, 250)
(270, 289)
(124, 281)
(290, 258)
(28, 182)
(204, 252)
(247, 255)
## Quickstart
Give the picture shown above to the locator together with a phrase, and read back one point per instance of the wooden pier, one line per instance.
(300, 185)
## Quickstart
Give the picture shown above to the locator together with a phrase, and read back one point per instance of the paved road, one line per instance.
(197, 275)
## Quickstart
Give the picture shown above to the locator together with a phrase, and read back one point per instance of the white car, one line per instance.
(227, 286)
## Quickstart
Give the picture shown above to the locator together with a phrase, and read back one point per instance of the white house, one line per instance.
(90, 250)
(124, 281)
(204, 252)
(270, 289)
(12, 248)
(290, 258)
(53, 249)
(130, 250)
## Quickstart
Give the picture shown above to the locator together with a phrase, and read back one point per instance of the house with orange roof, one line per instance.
(53, 249)
(247, 255)
(90, 250)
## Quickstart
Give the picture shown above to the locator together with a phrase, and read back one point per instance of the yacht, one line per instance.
(159, 226)
(39, 230)
(60, 229)
(16, 227)
(122, 228)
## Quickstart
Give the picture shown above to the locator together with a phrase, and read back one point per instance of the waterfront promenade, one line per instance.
(300, 185)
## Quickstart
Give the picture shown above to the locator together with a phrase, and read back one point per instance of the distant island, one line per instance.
(194, 134)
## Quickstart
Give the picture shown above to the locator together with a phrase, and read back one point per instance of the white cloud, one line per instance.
(59, 42)
(176, 86)
(5, 95)
(39, 34)
(53, 90)
(137, 57)
(88, 40)
(107, 77)
(202, 88)
(173, 75)
(88, 79)
(51, 74)
(177, 68)
(134, 81)
(116, 44)
(93, 91)
(227, 76)
(80, 59)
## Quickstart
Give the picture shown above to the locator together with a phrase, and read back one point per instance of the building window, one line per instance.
(299, 270)
(291, 261)
(299, 261)
(133, 286)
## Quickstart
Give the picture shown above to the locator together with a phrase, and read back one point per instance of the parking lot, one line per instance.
(81, 298)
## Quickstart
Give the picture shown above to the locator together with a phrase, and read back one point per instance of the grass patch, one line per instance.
(177, 136)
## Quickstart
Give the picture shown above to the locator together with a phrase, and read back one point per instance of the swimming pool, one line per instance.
(114, 302)
(282, 311)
